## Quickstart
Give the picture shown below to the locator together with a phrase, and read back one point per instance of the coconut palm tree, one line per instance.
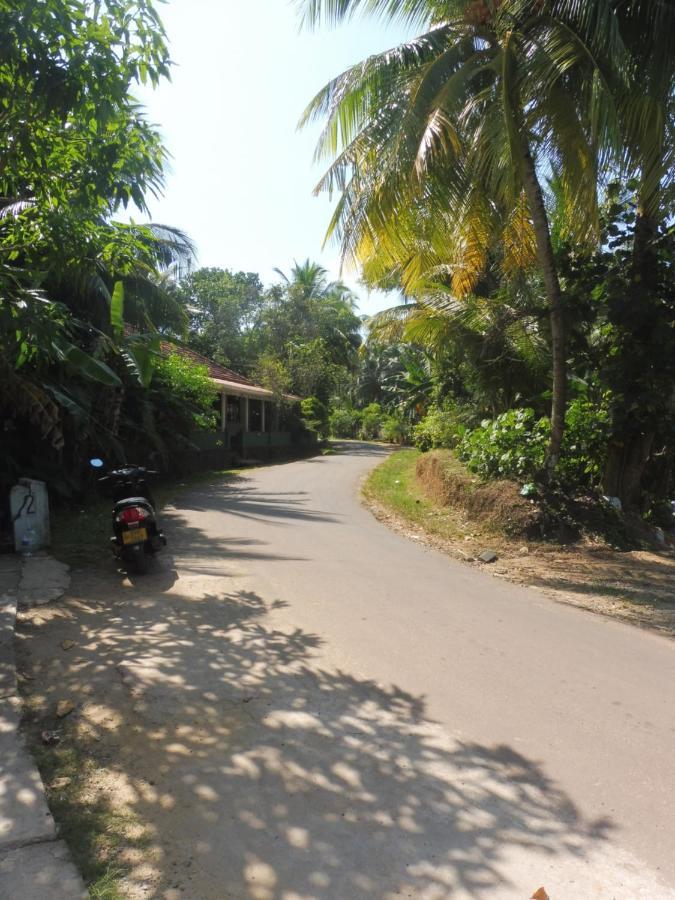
(459, 128)
(490, 347)
(310, 307)
(309, 281)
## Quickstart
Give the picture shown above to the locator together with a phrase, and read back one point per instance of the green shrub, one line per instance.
(514, 445)
(371, 421)
(395, 429)
(315, 416)
(186, 394)
(511, 446)
(439, 428)
(584, 448)
(344, 422)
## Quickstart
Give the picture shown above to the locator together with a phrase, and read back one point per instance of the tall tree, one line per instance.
(308, 307)
(223, 307)
(458, 126)
(77, 148)
(644, 397)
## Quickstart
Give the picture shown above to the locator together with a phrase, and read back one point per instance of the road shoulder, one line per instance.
(34, 862)
(633, 586)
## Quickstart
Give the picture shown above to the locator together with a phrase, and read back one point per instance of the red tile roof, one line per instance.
(215, 370)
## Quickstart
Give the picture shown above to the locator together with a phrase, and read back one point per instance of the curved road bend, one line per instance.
(340, 712)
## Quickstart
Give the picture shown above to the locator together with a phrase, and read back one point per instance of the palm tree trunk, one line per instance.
(535, 201)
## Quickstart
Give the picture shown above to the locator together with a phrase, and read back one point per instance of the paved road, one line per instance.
(330, 710)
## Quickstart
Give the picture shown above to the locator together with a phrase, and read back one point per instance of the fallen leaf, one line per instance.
(60, 783)
(66, 645)
(64, 708)
(540, 895)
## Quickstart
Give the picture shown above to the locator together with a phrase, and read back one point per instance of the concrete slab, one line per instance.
(24, 814)
(38, 873)
(43, 579)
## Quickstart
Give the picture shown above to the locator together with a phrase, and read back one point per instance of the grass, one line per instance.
(393, 484)
(106, 887)
(94, 831)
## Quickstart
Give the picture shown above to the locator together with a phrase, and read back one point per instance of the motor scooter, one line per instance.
(136, 534)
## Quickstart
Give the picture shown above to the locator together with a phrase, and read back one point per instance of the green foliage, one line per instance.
(436, 149)
(272, 373)
(306, 324)
(395, 429)
(514, 445)
(371, 421)
(79, 146)
(511, 446)
(310, 324)
(223, 309)
(439, 428)
(312, 371)
(77, 149)
(344, 422)
(488, 349)
(472, 343)
(315, 416)
(187, 394)
(587, 429)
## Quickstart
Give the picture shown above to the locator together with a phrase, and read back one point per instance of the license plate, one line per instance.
(135, 536)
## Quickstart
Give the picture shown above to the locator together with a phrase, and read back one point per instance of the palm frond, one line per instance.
(334, 12)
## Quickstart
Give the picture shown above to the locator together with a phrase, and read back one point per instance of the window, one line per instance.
(255, 415)
(233, 410)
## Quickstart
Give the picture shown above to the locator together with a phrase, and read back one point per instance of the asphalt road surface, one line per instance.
(327, 709)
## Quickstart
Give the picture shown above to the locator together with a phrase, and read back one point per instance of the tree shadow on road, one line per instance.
(361, 448)
(242, 497)
(258, 774)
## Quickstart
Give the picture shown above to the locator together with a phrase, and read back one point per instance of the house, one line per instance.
(253, 421)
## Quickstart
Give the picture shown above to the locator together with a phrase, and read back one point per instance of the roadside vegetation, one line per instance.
(87, 297)
(394, 485)
(98, 833)
(510, 171)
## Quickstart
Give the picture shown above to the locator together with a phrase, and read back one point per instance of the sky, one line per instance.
(241, 176)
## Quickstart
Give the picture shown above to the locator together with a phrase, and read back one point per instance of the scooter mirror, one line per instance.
(96, 463)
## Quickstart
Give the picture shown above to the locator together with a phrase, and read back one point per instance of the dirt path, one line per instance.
(300, 704)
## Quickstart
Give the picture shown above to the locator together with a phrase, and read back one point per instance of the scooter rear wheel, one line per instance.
(139, 561)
